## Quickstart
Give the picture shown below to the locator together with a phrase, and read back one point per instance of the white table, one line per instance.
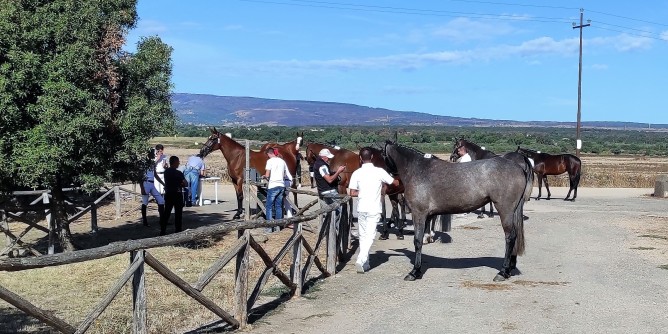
(215, 180)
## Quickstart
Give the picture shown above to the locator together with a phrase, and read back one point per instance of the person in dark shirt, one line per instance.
(174, 197)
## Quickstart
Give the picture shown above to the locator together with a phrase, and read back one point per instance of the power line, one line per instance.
(411, 11)
(516, 4)
(629, 33)
(627, 18)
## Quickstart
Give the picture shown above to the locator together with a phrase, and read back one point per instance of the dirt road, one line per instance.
(592, 266)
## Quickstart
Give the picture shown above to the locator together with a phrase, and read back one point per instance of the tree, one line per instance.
(77, 109)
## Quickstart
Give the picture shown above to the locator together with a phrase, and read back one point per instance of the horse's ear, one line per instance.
(396, 136)
(213, 130)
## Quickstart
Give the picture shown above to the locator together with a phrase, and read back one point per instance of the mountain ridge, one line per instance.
(206, 109)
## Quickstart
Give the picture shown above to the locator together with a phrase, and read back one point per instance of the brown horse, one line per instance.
(235, 155)
(546, 164)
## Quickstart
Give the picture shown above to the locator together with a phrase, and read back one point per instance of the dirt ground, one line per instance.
(598, 265)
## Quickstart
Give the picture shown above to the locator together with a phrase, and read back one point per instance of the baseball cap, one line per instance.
(326, 153)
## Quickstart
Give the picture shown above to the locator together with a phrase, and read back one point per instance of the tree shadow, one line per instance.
(15, 321)
(127, 229)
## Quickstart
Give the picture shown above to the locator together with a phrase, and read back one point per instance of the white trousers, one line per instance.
(367, 223)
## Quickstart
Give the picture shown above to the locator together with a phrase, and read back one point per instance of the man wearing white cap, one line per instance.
(326, 181)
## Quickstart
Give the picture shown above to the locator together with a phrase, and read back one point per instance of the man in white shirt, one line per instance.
(276, 171)
(366, 184)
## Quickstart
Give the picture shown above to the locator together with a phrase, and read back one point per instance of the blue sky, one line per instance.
(513, 60)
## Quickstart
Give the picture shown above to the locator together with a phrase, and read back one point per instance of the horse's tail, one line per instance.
(578, 173)
(518, 214)
(528, 171)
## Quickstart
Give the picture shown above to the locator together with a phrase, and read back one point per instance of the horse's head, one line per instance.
(390, 165)
(299, 141)
(212, 143)
(311, 155)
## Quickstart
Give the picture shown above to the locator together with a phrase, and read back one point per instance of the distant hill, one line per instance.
(201, 109)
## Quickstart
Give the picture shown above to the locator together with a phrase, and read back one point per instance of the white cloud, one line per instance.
(622, 42)
(664, 35)
(464, 29)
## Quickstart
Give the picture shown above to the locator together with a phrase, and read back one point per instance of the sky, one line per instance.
(514, 60)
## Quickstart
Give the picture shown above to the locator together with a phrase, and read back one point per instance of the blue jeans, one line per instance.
(192, 176)
(275, 203)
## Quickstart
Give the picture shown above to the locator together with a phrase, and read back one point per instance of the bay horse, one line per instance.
(546, 164)
(235, 155)
(433, 187)
(478, 153)
(342, 157)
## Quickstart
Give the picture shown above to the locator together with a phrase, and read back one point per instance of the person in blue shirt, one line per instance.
(195, 168)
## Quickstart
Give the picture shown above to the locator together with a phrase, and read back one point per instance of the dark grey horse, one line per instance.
(434, 187)
(478, 153)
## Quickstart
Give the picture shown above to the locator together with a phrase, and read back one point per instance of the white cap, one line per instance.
(326, 153)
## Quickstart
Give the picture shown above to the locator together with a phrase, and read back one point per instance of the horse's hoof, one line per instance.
(499, 278)
(481, 216)
(400, 237)
(409, 277)
(383, 237)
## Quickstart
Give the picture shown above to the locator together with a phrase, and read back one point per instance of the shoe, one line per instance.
(360, 268)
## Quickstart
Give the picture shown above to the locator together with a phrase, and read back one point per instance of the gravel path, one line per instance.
(582, 273)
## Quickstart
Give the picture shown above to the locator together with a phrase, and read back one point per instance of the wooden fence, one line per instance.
(140, 256)
(39, 209)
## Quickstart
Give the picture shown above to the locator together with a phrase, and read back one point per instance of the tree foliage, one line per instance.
(77, 109)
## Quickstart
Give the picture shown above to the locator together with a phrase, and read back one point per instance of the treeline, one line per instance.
(440, 139)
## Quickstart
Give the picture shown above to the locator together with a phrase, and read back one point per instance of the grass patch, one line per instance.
(319, 315)
(665, 266)
(275, 291)
(653, 236)
(643, 248)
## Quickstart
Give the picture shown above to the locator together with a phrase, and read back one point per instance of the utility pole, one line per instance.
(578, 142)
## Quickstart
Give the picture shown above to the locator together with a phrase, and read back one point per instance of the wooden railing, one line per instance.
(240, 250)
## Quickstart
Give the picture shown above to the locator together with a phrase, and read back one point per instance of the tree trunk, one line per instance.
(60, 216)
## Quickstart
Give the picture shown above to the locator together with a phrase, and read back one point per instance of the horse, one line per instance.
(235, 156)
(478, 153)
(547, 164)
(433, 186)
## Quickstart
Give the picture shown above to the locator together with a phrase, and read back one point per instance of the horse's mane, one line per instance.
(415, 151)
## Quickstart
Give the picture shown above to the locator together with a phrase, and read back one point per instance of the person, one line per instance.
(175, 181)
(147, 187)
(276, 171)
(161, 165)
(464, 154)
(327, 183)
(366, 184)
(195, 168)
(299, 169)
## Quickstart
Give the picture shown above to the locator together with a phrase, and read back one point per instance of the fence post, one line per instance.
(241, 284)
(247, 196)
(5, 224)
(50, 221)
(139, 319)
(297, 260)
(117, 196)
(93, 218)
(331, 242)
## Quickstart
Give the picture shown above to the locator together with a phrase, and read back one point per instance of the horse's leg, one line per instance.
(419, 222)
(511, 234)
(576, 183)
(385, 224)
(547, 187)
(570, 187)
(394, 200)
(402, 221)
(240, 198)
(491, 209)
(540, 185)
